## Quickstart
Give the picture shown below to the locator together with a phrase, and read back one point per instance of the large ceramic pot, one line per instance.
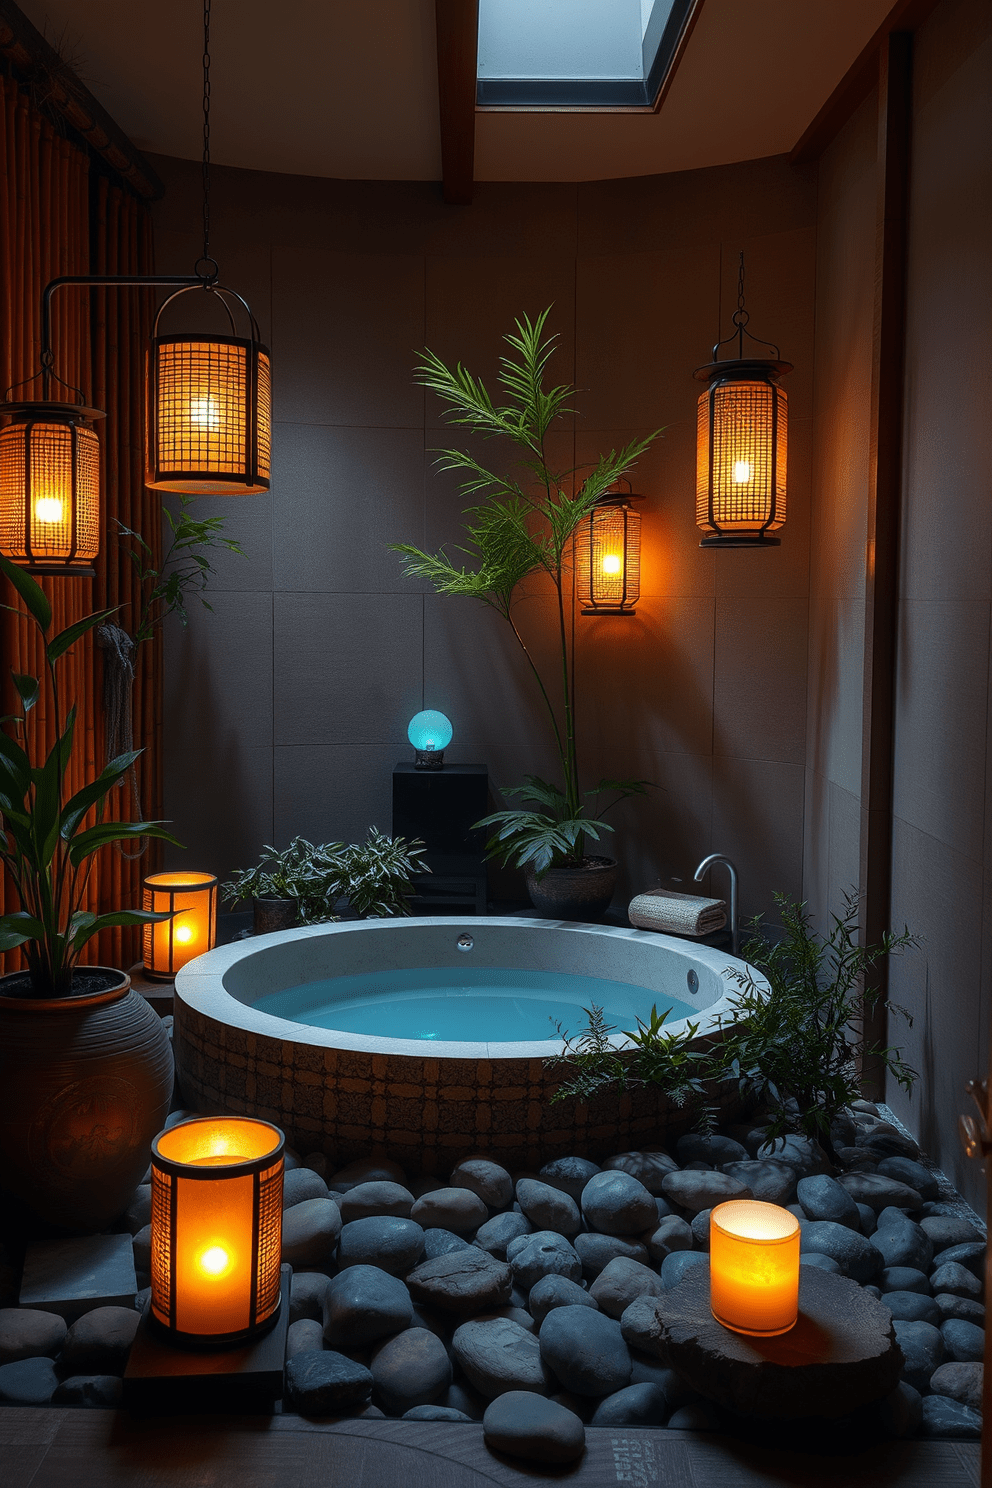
(574, 893)
(274, 914)
(85, 1084)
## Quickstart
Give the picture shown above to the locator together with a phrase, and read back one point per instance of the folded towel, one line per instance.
(676, 914)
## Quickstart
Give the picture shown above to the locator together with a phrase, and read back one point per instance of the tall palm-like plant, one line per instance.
(48, 842)
(520, 528)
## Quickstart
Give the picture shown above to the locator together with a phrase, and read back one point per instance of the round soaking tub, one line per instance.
(243, 1042)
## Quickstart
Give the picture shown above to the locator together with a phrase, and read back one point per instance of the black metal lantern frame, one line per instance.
(623, 598)
(769, 410)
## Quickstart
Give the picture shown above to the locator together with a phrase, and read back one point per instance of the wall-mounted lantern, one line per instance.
(742, 443)
(191, 900)
(216, 1230)
(608, 557)
(50, 487)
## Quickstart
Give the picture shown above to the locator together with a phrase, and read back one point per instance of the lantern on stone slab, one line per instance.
(191, 901)
(50, 487)
(742, 443)
(608, 557)
(754, 1267)
(216, 1230)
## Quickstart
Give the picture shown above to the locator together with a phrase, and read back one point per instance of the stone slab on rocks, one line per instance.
(841, 1354)
(694, 1191)
(498, 1355)
(463, 1281)
(73, 1276)
(525, 1425)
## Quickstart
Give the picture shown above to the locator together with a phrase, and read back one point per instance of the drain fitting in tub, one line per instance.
(464, 942)
(692, 981)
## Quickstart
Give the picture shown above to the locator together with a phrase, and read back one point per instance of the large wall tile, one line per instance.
(758, 822)
(835, 694)
(334, 792)
(759, 698)
(346, 328)
(219, 668)
(218, 802)
(347, 667)
(940, 724)
(346, 494)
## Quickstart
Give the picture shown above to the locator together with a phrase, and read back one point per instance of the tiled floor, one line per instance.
(48, 1448)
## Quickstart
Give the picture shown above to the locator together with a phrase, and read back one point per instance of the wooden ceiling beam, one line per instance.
(457, 26)
(857, 82)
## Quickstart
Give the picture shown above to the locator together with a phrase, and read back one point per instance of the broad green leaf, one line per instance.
(15, 764)
(30, 591)
(17, 928)
(97, 790)
(103, 833)
(66, 638)
(115, 919)
(27, 689)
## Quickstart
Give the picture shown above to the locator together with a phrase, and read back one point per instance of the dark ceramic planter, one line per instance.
(274, 914)
(574, 893)
(85, 1084)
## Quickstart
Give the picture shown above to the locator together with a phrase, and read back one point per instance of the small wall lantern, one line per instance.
(430, 734)
(191, 900)
(741, 443)
(50, 487)
(754, 1267)
(209, 410)
(608, 557)
(216, 1230)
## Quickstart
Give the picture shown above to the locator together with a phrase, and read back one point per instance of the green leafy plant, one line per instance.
(803, 1046)
(793, 1052)
(48, 841)
(185, 567)
(518, 530)
(375, 877)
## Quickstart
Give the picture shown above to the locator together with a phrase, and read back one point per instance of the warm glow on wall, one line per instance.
(191, 899)
(608, 558)
(754, 1267)
(216, 1229)
(50, 487)
(209, 415)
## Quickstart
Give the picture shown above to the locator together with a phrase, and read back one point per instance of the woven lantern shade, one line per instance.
(216, 1230)
(608, 558)
(741, 453)
(209, 409)
(50, 487)
(191, 900)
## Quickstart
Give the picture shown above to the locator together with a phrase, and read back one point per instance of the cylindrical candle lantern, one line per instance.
(191, 900)
(754, 1267)
(216, 1230)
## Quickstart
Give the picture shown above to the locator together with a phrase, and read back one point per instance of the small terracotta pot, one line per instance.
(85, 1084)
(274, 914)
(574, 893)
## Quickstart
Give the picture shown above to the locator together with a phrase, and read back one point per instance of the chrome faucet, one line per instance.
(700, 874)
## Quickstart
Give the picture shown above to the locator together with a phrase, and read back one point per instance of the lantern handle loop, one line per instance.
(739, 321)
(224, 294)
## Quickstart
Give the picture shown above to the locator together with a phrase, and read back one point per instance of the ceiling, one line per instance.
(344, 89)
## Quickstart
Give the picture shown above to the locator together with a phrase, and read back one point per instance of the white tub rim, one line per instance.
(200, 985)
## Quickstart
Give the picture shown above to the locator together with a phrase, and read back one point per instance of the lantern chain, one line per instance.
(206, 261)
(741, 316)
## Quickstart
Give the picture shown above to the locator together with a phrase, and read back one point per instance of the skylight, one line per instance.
(567, 54)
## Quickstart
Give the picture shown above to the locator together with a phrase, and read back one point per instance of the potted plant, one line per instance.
(303, 884)
(518, 530)
(86, 1065)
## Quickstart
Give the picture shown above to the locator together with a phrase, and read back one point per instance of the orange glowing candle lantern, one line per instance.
(608, 557)
(754, 1267)
(191, 900)
(216, 1229)
(50, 487)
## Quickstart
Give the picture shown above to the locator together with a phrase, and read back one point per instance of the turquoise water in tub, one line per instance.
(488, 1005)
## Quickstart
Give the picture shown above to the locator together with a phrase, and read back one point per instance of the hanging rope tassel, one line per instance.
(118, 690)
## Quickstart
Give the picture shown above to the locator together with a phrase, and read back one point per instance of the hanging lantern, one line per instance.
(209, 410)
(191, 900)
(216, 1230)
(741, 443)
(50, 487)
(608, 557)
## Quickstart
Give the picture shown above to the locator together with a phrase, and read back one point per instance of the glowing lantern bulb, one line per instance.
(48, 509)
(742, 472)
(204, 413)
(612, 564)
(215, 1260)
(184, 934)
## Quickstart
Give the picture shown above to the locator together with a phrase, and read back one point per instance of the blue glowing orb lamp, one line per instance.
(430, 734)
